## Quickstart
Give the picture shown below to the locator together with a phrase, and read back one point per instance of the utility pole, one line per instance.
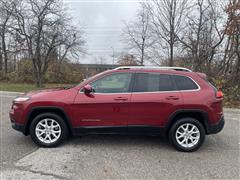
(112, 56)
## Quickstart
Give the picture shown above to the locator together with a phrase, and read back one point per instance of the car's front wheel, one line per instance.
(187, 134)
(48, 130)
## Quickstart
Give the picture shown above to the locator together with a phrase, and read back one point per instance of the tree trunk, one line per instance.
(37, 73)
(1, 62)
(5, 54)
(39, 78)
(237, 79)
(142, 57)
(171, 55)
(14, 63)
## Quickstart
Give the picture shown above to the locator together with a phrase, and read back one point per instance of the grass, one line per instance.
(15, 87)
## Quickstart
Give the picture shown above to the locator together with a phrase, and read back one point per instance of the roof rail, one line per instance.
(154, 67)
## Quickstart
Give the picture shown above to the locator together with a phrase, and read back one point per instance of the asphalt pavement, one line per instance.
(116, 156)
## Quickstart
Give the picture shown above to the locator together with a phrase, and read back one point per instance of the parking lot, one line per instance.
(118, 157)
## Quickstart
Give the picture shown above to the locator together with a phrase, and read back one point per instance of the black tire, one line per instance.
(176, 125)
(63, 134)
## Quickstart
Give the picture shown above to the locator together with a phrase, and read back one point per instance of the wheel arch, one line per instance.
(200, 115)
(35, 111)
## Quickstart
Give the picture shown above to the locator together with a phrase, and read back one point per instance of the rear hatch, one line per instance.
(216, 104)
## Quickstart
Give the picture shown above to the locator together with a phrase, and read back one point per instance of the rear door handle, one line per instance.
(172, 98)
(121, 99)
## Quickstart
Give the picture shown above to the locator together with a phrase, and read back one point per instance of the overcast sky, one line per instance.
(102, 22)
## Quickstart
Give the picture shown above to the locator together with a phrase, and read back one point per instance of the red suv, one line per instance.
(170, 101)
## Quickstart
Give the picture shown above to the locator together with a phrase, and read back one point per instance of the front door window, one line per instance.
(116, 83)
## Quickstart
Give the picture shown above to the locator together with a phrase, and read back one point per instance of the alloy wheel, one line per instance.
(187, 135)
(48, 130)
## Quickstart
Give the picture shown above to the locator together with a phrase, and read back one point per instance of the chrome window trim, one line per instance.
(190, 90)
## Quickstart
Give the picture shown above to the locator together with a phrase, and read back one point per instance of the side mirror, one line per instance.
(87, 89)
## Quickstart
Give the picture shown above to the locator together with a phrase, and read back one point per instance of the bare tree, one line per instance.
(166, 19)
(231, 62)
(127, 60)
(71, 45)
(137, 35)
(42, 25)
(203, 34)
(6, 11)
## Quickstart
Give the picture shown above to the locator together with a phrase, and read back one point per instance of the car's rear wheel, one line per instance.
(187, 134)
(48, 130)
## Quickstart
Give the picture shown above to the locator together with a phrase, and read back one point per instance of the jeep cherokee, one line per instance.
(170, 101)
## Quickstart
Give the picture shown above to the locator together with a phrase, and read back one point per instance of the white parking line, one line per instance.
(10, 92)
(8, 96)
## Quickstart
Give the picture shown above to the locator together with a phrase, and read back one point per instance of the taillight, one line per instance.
(219, 94)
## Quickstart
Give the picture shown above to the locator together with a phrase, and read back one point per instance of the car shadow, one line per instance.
(120, 141)
(212, 143)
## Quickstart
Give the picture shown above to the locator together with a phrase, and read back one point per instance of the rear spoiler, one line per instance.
(202, 75)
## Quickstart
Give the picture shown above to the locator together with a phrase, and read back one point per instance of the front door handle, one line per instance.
(121, 99)
(172, 98)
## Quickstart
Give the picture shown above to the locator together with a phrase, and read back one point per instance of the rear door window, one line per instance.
(185, 83)
(152, 82)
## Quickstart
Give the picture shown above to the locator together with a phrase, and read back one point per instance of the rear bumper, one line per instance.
(213, 129)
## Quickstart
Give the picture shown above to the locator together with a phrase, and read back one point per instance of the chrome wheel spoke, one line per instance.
(184, 140)
(56, 131)
(195, 138)
(192, 129)
(41, 124)
(41, 133)
(45, 121)
(186, 128)
(181, 135)
(54, 135)
(45, 138)
(195, 132)
(41, 130)
(52, 122)
(192, 140)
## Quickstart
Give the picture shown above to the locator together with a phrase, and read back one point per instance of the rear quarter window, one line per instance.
(184, 83)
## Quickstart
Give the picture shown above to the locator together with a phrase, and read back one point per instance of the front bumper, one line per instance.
(213, 129)
(18, 127)
(15, 114)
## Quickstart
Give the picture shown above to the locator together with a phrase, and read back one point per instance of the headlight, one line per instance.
(21, 99)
